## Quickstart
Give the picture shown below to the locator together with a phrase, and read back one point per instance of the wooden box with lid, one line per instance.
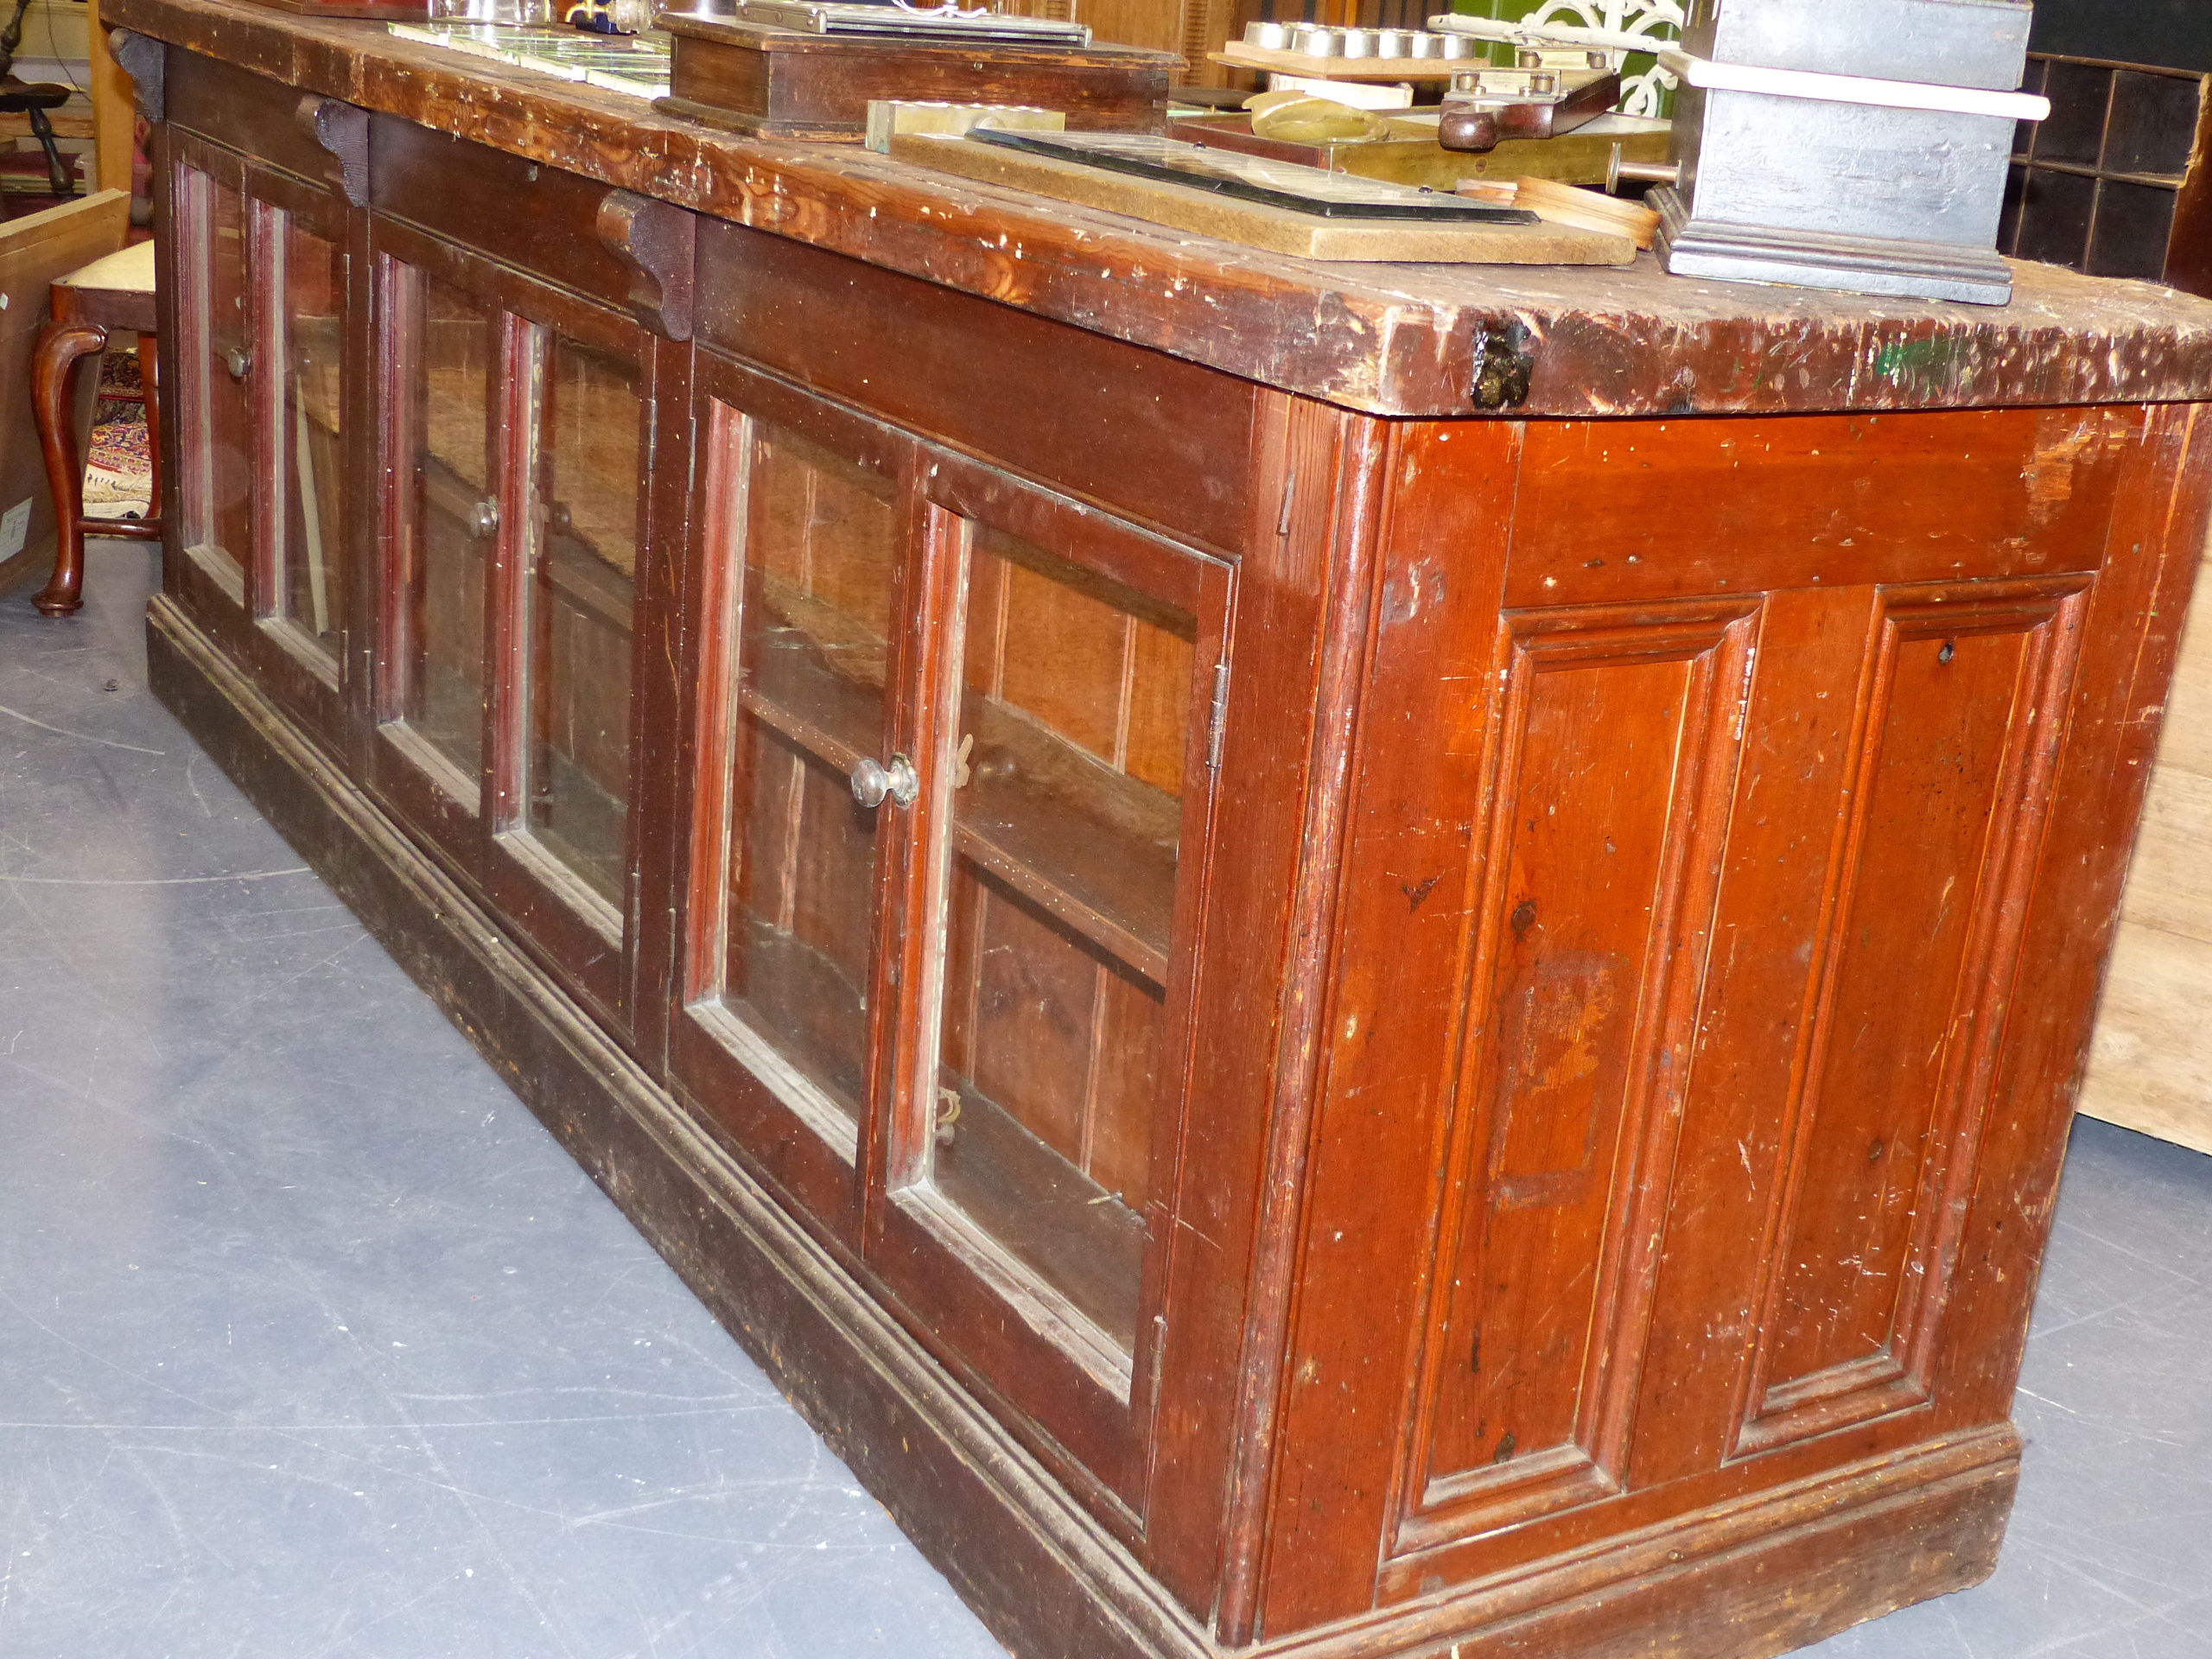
(1333, 963)
(771, 82)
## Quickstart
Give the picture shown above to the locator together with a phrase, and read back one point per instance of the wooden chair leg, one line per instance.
(54, 360)
(148, 387)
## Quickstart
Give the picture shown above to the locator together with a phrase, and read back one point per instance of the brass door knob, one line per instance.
(238, 360)
(484, 520)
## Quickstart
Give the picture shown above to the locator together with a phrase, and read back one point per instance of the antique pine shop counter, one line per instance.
(1452, 1027)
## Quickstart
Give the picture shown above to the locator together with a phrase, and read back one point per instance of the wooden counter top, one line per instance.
(1408, 339)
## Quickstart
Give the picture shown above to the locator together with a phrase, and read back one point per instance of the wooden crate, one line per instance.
(2114, 182)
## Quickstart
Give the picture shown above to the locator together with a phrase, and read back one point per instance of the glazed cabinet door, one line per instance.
(954, 769)
(516, 424)
(806, 531)
(268, 548)
(1067, 765)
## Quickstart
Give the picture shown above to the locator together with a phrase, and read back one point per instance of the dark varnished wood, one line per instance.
(63, 343)
(537, 217)
(344, 131)
(785, 83)
(1554, 1160)
(1405, 341)
(1136, 433)
(658, 243)
(1737, 1144)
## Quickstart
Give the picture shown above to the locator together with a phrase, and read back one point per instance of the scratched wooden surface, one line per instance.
(1404, 340)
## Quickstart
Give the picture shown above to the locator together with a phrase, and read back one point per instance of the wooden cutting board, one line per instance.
(1253, 225)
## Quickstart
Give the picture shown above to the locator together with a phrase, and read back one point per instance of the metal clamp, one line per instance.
(872, 782)
(238, 362)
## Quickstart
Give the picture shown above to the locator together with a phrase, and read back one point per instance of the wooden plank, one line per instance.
(2150, 1062)
(2170, 884)
(1410, 154)
(34, 251)
(68, 122)
(2149, 1067)
(114, 115)
(1251, 224)
(2186, 743)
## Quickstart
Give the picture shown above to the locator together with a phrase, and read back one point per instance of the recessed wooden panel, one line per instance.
(1620, 745)
(1914, 978)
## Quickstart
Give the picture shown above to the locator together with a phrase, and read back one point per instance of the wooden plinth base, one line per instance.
(1744, 1580)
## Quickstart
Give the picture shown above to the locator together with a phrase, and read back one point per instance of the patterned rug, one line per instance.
(119, 470)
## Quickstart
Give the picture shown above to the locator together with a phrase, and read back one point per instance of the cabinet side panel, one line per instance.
(2130, 631)
(1916, 966)
(1386, 1030)
(1906, 729)
(1813, 646)
(1579, 980)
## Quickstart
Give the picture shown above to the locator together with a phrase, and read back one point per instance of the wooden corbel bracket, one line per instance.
(343, 131)
(655, 241)
(142, 58)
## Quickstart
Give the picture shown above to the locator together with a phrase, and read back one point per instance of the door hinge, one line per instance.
(1159, 1350)
(1218, 718)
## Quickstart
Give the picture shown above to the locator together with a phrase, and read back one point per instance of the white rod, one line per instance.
(1852, 89)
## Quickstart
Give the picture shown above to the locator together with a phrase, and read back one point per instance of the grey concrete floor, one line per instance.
(313, 1344)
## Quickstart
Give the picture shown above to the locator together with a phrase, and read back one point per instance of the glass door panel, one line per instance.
(821, 539)
(1065, 804)
(311, 556)
(582, 566)
(449, 516)
(219, 484)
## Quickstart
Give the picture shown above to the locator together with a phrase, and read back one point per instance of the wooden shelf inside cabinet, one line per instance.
(1085, 1242)
(1092, 847)
(817, 675)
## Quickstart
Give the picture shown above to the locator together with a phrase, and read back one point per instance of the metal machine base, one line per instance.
(1851, 264)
